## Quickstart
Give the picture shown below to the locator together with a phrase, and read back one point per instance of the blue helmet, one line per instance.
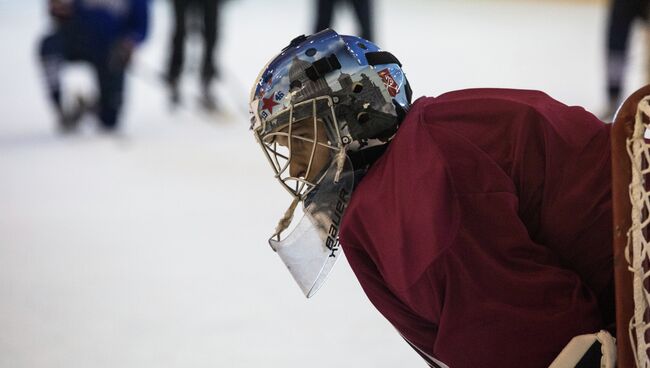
(323, 98)
(358, 91)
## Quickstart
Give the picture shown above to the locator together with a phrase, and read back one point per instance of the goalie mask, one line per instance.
(322, 99)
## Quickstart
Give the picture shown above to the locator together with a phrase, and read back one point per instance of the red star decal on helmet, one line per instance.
(269, 103)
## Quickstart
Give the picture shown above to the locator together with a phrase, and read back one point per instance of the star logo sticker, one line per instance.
(269, 103)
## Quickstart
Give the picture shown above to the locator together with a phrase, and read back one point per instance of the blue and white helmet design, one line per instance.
(321, 99)
(359, 91)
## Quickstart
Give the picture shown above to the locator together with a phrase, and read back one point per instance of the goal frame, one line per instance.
(622, 131)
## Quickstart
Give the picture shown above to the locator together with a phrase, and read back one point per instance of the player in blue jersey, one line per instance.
(102, 33)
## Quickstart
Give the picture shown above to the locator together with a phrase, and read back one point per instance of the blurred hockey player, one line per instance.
(102, 33)
(477, 222)
(186, 13)
(363, 9)
(622, 15)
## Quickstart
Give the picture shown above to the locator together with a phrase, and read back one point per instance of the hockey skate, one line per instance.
(207, 99)
(69, 119)
(174, 92)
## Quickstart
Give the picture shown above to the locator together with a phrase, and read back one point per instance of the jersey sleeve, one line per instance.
(417, 331)
(504, 293)
(459, 237)
(494, 290)
(558, 160)
(574, 197)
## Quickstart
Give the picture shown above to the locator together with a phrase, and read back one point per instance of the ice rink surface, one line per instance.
(149, 250)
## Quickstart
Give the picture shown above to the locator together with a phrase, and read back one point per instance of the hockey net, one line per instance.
(638, 239)
(632, 254)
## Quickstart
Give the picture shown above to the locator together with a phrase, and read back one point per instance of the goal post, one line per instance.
(631, 209)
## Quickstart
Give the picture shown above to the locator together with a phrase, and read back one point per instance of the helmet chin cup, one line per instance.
(312, 248)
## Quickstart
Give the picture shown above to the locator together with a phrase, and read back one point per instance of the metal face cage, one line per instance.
(280, 143)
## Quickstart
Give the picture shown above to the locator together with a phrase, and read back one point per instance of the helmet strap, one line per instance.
(364, 122)
(340, 162)
(286, 219)
(361, 160)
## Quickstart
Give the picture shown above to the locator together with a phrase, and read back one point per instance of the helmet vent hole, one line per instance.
(357, 88)
(295, 84)
(362, 46)
(310, 52)
(363, 118)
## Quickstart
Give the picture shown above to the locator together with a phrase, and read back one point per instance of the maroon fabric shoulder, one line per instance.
(486, 227)
(558, 159)
(408, 188)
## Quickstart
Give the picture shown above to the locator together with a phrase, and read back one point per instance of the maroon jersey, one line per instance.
(483, 233)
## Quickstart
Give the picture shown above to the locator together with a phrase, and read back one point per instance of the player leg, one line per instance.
(110, 79)
(208, 69)
(54, 52)
(324, 10)
(621, 16)
(51, 57)
(645, 9)
(177, 49)
(363, 9)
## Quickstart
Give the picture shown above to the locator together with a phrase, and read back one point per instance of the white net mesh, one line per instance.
(638, 247)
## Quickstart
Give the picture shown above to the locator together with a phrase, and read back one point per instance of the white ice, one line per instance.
(150, 250)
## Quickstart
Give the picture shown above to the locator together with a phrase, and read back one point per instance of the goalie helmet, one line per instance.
(323, 98)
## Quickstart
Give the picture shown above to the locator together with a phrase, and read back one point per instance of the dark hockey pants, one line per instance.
(622, 15)
(209, 11)
(61, 47)
(362, 8)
